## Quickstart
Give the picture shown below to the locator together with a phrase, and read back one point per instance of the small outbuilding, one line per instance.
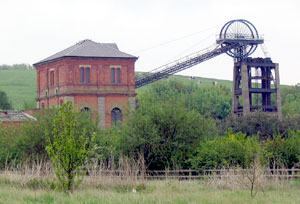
(14, 118)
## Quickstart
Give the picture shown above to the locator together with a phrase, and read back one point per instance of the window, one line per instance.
(114, 78)
(82, 75)
(113, 75)
(61, 102)
(85, 75)
(118, 76)
(43, 105)
(52, 78)
(116, 115)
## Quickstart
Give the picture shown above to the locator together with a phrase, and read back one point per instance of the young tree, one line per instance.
(68, 147)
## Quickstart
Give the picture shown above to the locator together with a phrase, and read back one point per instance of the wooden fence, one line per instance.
(188, 174)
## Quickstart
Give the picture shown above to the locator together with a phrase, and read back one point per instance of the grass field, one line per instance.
(158, 192)
(19, 85)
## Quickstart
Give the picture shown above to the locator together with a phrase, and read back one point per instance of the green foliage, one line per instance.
(213, 101)
(27, 142)
(291, 100)
(258, 123)
(227, 151)
(282, 152)
(165, 132)
(240, 150)
(4, 103)
(68, 148)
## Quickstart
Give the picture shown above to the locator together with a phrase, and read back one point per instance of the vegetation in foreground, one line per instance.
(18, 189)
(174, 126)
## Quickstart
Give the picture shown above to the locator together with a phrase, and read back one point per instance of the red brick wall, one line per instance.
(90, 101)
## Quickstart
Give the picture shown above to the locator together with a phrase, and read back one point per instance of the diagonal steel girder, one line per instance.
(182, 64)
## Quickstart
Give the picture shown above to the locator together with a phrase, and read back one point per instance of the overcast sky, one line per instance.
(157, 31)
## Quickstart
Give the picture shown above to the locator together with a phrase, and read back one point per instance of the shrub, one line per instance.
(226, 151)
(282, 151)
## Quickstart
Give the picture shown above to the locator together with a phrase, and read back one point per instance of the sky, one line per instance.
(156, 31)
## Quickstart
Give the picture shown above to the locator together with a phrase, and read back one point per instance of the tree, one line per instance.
(4, 103)
(68, 148)
(166, 133)
(214, 101)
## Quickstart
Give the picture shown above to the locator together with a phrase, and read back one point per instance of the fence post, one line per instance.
(190, 174)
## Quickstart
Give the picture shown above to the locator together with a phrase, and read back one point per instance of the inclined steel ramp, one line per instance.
(182, 64)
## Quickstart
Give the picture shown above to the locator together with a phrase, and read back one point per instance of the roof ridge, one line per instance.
(89, 48)
(103, 44)
(77, 45)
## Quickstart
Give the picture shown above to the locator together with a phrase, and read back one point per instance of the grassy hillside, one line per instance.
(200, 80)
(20, 85)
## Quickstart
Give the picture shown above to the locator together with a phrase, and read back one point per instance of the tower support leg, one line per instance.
(245, 89)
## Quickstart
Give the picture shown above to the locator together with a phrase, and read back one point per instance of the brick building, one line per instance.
(93, 76)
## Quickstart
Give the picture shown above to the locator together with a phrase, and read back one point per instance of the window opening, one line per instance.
(113, 75)
(87, 75)
(52, 78)
(118, 76)
(116, 115)
(82, 75)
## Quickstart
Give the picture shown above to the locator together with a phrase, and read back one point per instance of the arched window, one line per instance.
(116, 115)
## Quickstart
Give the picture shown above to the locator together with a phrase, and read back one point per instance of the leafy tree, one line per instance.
(290, 97)
(165, 133)
(258, 123)
(4, 103)
(213, 101)
(69, 148)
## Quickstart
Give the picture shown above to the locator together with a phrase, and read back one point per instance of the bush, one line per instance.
(26, 144)
(282, 152)
(231, 150)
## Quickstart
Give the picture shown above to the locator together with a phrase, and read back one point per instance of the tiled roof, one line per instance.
(89, 48)
(15, 116)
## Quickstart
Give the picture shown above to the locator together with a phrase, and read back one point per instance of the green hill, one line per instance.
(20, 85)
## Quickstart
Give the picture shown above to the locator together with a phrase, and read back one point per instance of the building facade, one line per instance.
(95, 77)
